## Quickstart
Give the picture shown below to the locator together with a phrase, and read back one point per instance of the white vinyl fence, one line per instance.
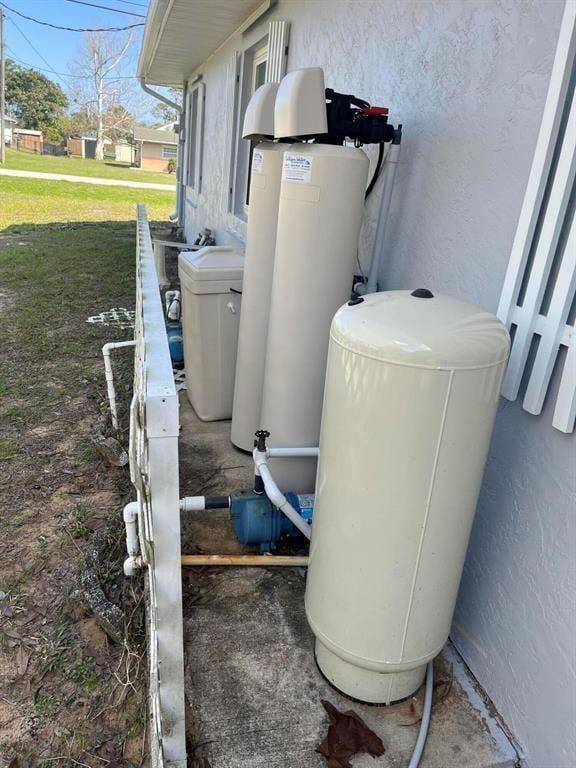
(540, 283)
(154, 472)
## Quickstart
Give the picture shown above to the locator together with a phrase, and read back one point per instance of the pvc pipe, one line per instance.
(200, 503)
(425, 723)
(287, 561)
(106, 349)
(276, 453)
(192, 504)
(275, 494)
(389, 175)
(134, 560)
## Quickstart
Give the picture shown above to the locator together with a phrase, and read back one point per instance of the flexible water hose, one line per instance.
(423, 732)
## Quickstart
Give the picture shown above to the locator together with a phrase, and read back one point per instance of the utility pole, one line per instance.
(2, 89)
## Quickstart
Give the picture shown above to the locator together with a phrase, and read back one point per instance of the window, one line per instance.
(253, 75)
(259, 67)
(169, 152)
(264, 62)
(194, 136)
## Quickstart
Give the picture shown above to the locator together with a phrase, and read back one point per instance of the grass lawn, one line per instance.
(69, 692)
(37, 201)
(22, 160)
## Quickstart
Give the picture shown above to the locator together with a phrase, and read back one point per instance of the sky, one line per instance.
(52, 50)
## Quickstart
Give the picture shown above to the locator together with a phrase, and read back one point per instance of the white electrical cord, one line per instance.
(426, 712)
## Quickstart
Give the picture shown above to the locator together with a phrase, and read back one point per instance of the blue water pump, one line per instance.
(257, 522)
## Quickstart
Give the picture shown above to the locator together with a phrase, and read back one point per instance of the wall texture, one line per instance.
(468, 80)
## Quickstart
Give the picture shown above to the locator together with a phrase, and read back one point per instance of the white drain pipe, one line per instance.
(275, 494)
(106, 349)
(134, 560)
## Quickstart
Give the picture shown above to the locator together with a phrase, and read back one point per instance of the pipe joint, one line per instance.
(132, 565)
(130, 513)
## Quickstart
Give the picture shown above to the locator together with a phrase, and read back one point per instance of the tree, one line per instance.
(34, 100)
(163, 112)
(100, 91)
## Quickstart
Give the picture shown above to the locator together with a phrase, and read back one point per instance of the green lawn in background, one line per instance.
(23, 160)
(36, 201)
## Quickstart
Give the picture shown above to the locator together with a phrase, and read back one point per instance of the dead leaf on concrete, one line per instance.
(347, 736)
(415, 712)
(443, 686)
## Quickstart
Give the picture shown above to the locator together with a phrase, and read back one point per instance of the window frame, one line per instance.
(172, 152)
(194, 148)
(252, 58)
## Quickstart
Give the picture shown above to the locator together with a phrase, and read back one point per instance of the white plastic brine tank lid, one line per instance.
(212, 263)
(421, 328)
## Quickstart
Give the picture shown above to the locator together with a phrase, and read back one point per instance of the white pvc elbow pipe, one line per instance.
(276, 496)
(106, 349)
(134, 560)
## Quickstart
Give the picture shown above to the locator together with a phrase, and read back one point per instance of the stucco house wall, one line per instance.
(468, 81)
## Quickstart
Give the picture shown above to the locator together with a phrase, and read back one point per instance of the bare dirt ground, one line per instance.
(72, 679)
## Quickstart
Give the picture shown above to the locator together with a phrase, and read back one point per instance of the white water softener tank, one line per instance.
(412, 386)
(319, 219)
(258, 271)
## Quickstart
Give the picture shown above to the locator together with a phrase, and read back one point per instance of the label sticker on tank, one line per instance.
(257, 160)
(297, 168)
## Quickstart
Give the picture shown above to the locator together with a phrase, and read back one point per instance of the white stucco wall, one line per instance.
(468, 80)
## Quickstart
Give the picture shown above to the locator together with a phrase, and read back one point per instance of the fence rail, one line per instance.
(154, 429)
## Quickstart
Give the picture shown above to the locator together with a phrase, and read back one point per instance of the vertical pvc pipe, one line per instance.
(389, 176)
(106, 349)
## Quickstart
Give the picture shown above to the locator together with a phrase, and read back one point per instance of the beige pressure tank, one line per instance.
(257, 286)
(412, 387)
(319, 219)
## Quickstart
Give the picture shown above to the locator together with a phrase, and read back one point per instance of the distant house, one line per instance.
(124, 152)
(85, 146)
(8, 127)
(155, 147)
(25, 138)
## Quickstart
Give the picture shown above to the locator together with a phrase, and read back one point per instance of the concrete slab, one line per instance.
(253, 689)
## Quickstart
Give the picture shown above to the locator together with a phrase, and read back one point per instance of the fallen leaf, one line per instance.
(415, 710)
(443, 686)
(347, 736)
(22, 659)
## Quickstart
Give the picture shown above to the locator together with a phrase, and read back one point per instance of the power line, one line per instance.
(106, 8)
(36, 51)
(72, 29)
(62, 74)
(129, 2)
